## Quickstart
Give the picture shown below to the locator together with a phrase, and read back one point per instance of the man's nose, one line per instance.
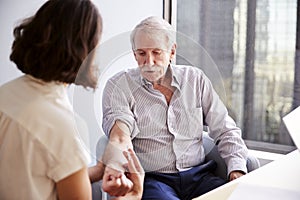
(149, 60)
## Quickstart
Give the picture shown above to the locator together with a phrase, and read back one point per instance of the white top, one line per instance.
(168, 138)
(39, 143)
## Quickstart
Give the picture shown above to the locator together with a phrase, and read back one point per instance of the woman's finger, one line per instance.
(134, 165)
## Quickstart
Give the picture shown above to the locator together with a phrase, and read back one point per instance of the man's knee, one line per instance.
(156, 190)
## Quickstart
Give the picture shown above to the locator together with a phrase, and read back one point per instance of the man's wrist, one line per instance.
(113, 157)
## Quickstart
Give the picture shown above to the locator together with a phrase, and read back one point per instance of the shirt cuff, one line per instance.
(237, 165)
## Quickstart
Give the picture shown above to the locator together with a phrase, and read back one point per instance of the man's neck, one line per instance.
(164, 81)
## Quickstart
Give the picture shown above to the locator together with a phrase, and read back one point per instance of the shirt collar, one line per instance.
(47, 88)
(176, 77)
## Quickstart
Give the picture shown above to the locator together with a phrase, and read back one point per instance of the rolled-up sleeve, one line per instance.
(116, 106)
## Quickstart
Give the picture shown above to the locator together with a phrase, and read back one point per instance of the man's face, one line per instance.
(152, 55)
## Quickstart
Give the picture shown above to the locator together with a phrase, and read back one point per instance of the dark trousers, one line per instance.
(183, 185)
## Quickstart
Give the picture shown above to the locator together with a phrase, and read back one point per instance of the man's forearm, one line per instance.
(119, 140)
(120, 135)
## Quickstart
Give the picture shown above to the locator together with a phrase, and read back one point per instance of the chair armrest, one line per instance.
(97, 192)
(211, 153)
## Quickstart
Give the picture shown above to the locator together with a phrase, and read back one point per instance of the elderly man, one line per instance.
(159, 109)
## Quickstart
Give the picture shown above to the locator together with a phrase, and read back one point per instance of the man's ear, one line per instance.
(173, 50)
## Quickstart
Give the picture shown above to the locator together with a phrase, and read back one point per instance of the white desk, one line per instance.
(281, 174)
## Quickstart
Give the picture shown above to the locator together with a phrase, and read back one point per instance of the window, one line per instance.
(250, 46)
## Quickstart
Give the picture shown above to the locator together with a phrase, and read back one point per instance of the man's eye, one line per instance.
(157, 52)
(140, 53)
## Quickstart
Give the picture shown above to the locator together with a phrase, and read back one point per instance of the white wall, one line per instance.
(114, 51)
(12, 11)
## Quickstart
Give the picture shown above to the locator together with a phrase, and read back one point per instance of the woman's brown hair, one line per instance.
(53, 44)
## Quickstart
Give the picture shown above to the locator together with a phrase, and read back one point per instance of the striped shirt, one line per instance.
(168, 137)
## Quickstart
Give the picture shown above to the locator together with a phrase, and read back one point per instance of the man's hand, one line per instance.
(115, 183)
(129, 185)
(235, 174)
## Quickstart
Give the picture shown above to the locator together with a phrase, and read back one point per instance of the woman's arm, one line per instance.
(75, 186)
(96, 172)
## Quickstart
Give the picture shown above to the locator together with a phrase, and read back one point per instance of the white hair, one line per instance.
(156, 27)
